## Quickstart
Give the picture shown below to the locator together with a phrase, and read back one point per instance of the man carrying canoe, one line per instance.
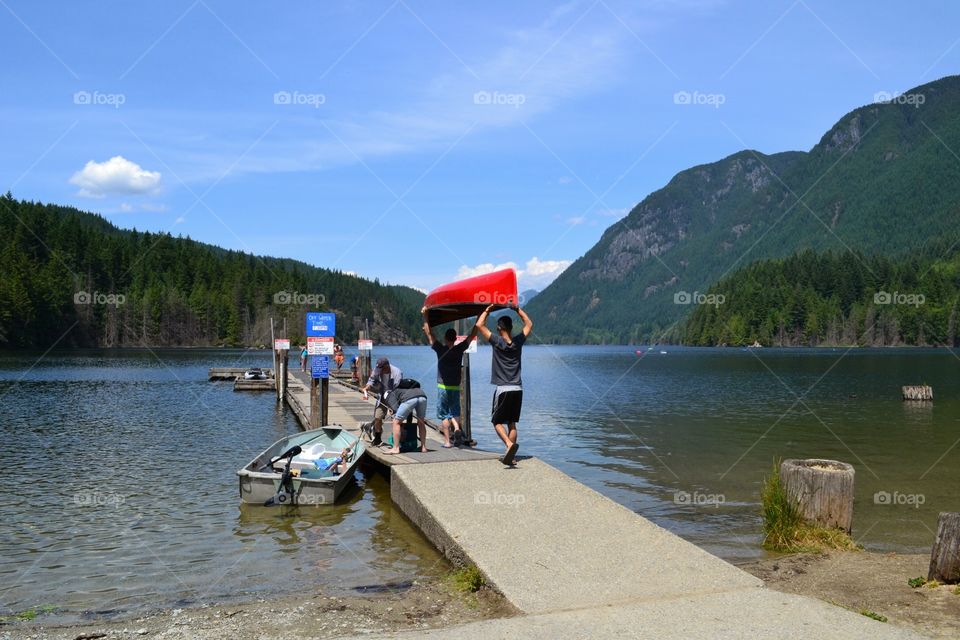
(505, 374)
(449, 361)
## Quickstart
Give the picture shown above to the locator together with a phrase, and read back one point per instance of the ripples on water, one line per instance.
(661, 432)
(121, 492)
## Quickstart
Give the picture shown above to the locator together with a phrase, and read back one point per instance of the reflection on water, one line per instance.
(685, 438)
(121, 492)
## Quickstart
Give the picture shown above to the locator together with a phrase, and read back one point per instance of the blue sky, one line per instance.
(417, 141)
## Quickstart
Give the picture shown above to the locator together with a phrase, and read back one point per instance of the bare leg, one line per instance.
(396, 437)
(423, 434)
(504, 435)
(513, 432)
(445, 430)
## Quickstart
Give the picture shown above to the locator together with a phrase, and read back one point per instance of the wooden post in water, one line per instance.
(945, 557)
(325, 411)
(365, 357)
(273, 350)
(315, 403)
(465, 392)
(822, 491)
(280, 375)
(917, 392)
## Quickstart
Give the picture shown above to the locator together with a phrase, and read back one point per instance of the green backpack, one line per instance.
(408, 437)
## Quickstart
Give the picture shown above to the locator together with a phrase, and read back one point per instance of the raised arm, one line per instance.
(527, 322)
(426, 327)
(481, 325)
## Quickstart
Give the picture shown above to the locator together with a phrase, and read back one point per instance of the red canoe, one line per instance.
(468, 298)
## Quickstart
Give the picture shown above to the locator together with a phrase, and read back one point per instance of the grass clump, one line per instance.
(933, 584)
(784, 528)
(468, 579)
(874, 615)
(956, 591)
(29, 614)
(916, 583)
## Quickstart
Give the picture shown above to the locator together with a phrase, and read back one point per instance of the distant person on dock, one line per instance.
(386, 378)
(505, 374)
(303, 358)
(404, 402)
(355, 369)
(338, 356)
(449, 373)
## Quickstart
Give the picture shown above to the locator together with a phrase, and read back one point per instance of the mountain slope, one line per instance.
(73, 277)
(882, 180)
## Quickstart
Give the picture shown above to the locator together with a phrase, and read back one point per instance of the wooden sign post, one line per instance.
(325, 411)
(319, 392)
(365, 358)
(315, 403)
(321, 335)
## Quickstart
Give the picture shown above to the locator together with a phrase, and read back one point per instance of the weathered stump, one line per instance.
(945, 557)
(822, 491)
(917, 392)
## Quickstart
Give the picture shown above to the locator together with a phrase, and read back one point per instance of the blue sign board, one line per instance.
(320, 367)
(321, 325)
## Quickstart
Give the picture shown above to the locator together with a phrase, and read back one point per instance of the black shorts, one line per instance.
(506, 406)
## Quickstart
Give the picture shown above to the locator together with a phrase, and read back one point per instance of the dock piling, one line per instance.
(314, 403)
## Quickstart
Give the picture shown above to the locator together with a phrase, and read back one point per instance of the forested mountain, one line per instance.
(834, 299)
(885, 179)
(74, 279)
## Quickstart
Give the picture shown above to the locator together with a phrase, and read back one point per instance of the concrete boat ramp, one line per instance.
(574, 563)
(579, 565)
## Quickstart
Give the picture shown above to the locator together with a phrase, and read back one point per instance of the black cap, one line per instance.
(382, 362)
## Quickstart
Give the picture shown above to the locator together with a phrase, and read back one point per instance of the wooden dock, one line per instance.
(255, 385)
(348, 409)
(232, 373)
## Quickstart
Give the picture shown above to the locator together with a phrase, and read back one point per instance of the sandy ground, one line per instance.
(864, 581)
(424, 606)
(858, 581)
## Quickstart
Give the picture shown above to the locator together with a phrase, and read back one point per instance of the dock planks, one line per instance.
(348, 409)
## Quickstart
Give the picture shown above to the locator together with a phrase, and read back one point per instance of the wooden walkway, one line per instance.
(348, 409)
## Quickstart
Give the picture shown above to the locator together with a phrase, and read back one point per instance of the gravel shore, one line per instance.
(423, 606)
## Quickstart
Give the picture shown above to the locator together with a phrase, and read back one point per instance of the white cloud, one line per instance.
(536, 274)
(575, 220)
(115, 176)
(486, 267)
(537, 268)
(525, 72)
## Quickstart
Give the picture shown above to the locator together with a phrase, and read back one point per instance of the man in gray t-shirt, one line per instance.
(505, 374)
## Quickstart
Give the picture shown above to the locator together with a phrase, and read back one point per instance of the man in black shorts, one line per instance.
(505, 374)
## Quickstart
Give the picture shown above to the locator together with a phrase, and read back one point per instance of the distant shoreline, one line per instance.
(899, 347)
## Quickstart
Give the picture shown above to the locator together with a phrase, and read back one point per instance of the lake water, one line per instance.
(120, 491)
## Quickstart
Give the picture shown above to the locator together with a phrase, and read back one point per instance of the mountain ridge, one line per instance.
(877, 174)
